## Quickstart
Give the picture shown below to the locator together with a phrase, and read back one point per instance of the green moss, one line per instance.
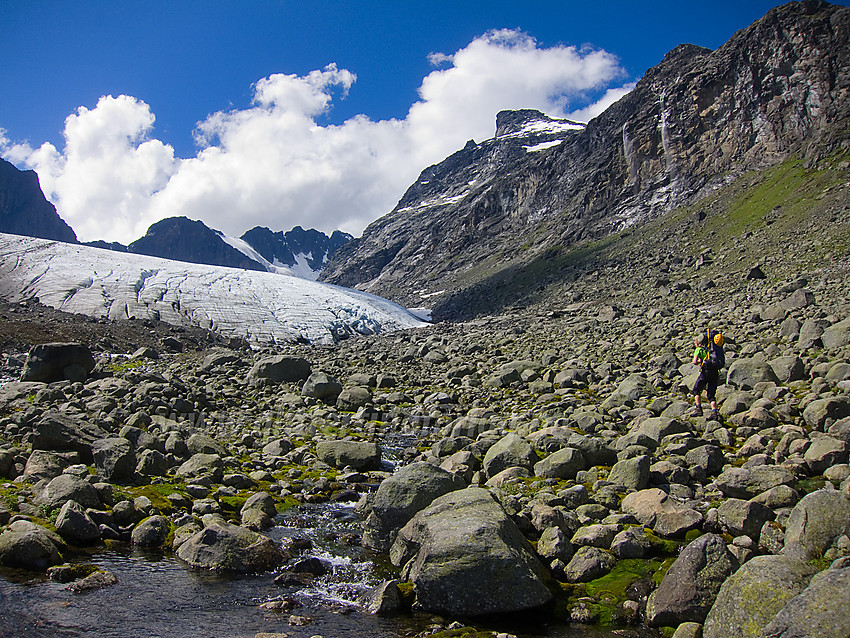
(126, 365)
(609, 591)
(232, 503)
(662, 545)
(809, 485)
(157, 494)
(612, 587)
(407, 593)
(661, 572)
(820, 563)
(287, 502)
(692, 535)
(9, 494)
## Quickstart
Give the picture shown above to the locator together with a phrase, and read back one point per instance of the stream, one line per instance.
(158, 596)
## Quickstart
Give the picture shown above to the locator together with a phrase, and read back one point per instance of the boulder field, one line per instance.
(547, 459)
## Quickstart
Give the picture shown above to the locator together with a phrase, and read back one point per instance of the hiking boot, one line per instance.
(713, 416)
(697, 411)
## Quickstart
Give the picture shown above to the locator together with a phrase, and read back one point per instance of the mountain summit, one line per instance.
(25, 211)
(698, 120)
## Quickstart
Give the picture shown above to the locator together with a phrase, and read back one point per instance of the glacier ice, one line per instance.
(263, 307)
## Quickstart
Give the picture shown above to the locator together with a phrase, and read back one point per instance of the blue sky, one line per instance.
(229, 112)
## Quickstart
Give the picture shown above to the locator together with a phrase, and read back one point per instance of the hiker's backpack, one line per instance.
(716, 355)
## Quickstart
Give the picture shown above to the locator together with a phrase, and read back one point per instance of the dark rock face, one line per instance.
(278, 369)
(819, 610)
(750, 598)
(466, 557)
(182, 239)
(691, 585)
(282, 247)
(56, 430)
(695, 119)
(49, 362)
(222, 546)
(399, 497)
(29, 546)
(25, 211)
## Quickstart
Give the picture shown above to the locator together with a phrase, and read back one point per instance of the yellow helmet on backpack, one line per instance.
(718, 339)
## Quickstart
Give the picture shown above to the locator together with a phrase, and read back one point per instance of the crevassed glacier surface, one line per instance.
(262, 307)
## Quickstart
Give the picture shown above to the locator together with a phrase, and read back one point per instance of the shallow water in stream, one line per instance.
(158, 596)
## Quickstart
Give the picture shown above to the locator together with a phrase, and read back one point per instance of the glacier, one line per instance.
(263, 307)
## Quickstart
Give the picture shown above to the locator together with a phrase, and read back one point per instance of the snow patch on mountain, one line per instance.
(301, 269)
(544, 127)
(246, 249)
(262, 307)
(542, 146)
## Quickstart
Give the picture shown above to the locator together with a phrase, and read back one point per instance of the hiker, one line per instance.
(709, 355)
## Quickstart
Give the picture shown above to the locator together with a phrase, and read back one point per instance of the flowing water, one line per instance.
(158, 596)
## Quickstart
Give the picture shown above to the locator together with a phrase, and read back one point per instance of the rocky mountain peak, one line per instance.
(287, 248)
(25, 211)
(192, 241)
(697, 121)
(528, 122)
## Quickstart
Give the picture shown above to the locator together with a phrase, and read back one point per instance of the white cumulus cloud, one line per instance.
(273, 164)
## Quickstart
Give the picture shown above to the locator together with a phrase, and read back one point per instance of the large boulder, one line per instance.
(819, 610)
(588, 563)
(48, 362)
(656, 428)
(815, 522)
(822, 413)
(466, 557)
(750, 598)
(67, 487)
(114, 458)
(824, 452)
(359, 455)
(29, 546)
(258, 512)
(75, 525)
(322, 386)
(511, 450)
(400, 496)
(788, 368)
(633, 473)
(353, 398)
(221, 546)
(200, 443)
(278, 369)
(58, 431)
(746, 483)
(278, 447)
(151, 532)
(561, 464)
(744, 374)
(654, 508)
(202, 465)
(691, 584)
(594, 449)
(811, 332)
(743, 518)
(44, 465)
(837, 335)
(634, 386)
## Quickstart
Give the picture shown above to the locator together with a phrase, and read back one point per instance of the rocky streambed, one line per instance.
(537, 473)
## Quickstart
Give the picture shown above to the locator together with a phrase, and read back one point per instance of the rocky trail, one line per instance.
(546, 459)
